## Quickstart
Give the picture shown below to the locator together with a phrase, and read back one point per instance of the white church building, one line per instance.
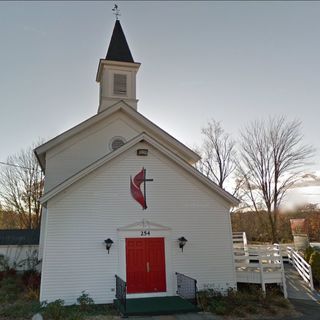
(122, 198)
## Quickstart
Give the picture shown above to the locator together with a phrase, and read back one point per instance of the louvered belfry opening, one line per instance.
(120, 84)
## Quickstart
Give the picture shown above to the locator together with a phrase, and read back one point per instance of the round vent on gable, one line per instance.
(116, 142)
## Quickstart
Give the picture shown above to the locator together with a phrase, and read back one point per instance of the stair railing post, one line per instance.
(289, 252)
(284, 284)
(263, 286)
(311, 278)
(121, 292)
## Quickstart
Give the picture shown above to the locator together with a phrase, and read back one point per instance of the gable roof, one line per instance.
(118, 48)
(19, 237)
(142, 137)
(190, 156)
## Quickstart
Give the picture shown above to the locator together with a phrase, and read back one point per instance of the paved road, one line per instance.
(310, 309)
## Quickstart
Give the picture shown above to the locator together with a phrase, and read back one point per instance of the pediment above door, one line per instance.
(144, 224)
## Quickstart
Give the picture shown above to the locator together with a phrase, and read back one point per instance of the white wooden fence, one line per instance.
(260, 266)
(301, 265)
(240, 239)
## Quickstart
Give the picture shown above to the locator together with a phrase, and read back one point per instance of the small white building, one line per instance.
(93, 193)
(19, 249)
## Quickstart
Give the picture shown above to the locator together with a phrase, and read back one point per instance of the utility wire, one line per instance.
(15, 165)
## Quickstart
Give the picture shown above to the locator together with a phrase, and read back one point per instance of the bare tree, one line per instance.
(272, 156)
(218, 151)
(21, 186)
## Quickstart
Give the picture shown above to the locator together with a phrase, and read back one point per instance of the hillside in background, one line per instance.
(256, 225)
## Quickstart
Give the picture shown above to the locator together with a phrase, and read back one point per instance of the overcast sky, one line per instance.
(231, 61)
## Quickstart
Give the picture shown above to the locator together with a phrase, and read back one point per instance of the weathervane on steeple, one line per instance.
(116, 11)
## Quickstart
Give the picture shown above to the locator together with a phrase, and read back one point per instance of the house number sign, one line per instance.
(145, 233)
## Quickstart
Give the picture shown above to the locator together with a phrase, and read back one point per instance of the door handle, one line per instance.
(148, 267)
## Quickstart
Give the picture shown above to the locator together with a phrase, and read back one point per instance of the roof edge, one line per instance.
(102, 62)
(110, 156)
(103, 114)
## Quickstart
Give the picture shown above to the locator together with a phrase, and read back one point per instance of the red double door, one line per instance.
(145, 259)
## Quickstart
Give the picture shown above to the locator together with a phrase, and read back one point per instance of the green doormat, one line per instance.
(155, 306)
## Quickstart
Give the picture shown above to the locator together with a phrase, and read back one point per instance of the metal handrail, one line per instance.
(187, 287)
(121, 291)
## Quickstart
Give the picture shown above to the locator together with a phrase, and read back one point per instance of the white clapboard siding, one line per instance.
(76, 153)
(92, 143)
(92, 210)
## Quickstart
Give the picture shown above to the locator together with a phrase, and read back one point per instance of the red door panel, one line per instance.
(136, 265)
(145, 259)
(156, 278)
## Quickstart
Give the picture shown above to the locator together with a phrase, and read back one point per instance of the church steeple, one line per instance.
(118, 48)
(117, 72)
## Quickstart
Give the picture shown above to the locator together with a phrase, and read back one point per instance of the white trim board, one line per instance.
(146, 138)
(170, 274)
(189, 154)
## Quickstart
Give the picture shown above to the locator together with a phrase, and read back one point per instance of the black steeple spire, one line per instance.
(118, 48)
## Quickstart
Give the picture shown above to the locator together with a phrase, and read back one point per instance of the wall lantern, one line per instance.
(142, 152)
(182, 242)
(108, 243)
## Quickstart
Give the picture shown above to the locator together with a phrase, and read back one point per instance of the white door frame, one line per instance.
(137, 230)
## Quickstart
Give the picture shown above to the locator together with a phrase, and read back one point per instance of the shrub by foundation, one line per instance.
(248, 300)
(54, 310)
(315, 266)
(85, 302)
(9, 289)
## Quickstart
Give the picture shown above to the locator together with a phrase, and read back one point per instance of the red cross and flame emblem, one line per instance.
(135, 187)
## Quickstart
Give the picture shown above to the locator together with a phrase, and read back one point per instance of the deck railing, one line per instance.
(240, 243)
(239, 240)
(301, 265)
(121, 291)
(260, 266)
(187, 287)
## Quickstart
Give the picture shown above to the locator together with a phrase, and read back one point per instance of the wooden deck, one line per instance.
(260, 267)
(264, 264)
